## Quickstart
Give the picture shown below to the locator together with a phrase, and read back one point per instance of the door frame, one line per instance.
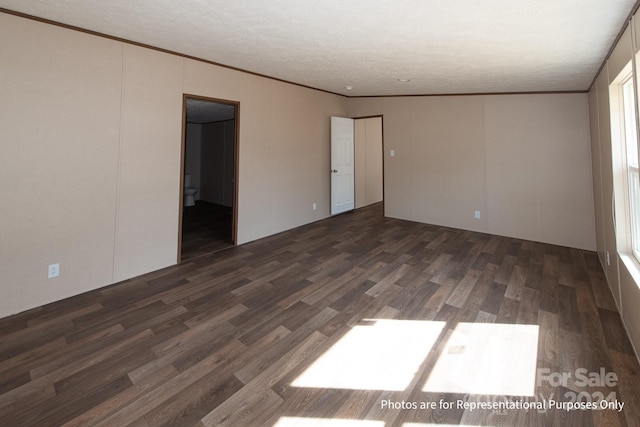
(236, 163)
(383, 154)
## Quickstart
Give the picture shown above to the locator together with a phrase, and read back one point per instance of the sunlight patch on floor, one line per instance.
(487, 358)
(382, 355)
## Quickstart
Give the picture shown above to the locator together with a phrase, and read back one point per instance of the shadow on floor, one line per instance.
(206, 228)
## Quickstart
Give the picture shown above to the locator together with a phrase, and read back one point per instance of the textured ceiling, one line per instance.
(199, 111)
(441, 46)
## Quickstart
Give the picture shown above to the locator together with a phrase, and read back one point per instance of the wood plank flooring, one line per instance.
(402, 313)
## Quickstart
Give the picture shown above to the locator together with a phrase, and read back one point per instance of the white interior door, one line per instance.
(342, 165)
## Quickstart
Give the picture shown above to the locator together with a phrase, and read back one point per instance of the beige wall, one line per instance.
(596, 170)
(59, 161)
(368, 161)
(90, 167)
(149, 162)
(604, 144)
(91, 137)
(622, 273)
(523, 161)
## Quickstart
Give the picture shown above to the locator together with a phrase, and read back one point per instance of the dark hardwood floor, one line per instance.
(206, 228)
(357, 317)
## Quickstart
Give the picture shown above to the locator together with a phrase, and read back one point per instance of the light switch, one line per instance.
(392, 153)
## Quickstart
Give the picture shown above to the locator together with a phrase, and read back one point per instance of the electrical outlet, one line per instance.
(477, 215)
(54, 270)
(315, 206)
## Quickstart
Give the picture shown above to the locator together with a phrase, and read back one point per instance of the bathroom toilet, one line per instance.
(189, 191)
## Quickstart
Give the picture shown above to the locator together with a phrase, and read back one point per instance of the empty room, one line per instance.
(336, 214)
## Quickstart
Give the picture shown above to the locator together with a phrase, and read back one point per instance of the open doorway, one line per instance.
(208, 205)
(357, 163)
(369, 161)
